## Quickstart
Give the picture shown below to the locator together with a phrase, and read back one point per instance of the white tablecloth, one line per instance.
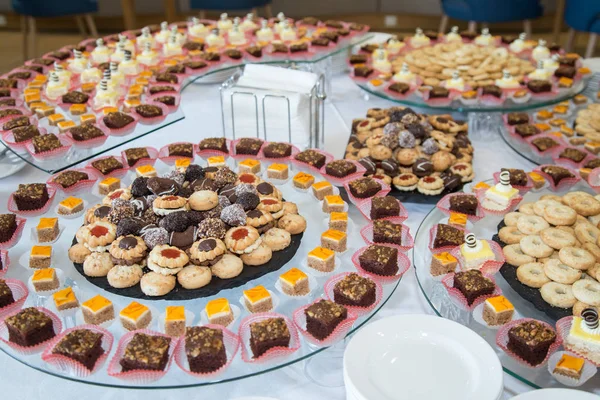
(201, 107)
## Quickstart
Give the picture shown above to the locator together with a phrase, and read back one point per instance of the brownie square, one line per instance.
(438, 92)
(181, 149)
(195, 64)
(10, 111)
(531, 341)
(593, 163)
(557, 173)
(340, 168)
(16, 123)
(211, 56)
(320, 42)
(362, 71)
(19, 75)
(355, 290)
(219, 144)
(193, 46)
(380, 260)
(472, 284)
(383, 207)
(248, 146)
(526, 130)
(255, 51)
(146, 352)
(135, 154)
(31, 196)
(117, 120)
(204, 349)
(312, 158)
(385, 231)
(568, 61)
(363, 188)
(8, 226)
(517, 118)
(69, 178)
(166, 100)
(160, 89)
(166, 77)
(267, 334)
(399, 87)
(539, 86)
(75, 97)
(234, 54)
(565, 71)
(24, 133)
(45, 143)
(8, 102)
(447, 235)
(298, 47)
(464, 204)
(107, 165)
(323, 317)
(8, 83)
(358, 59)
(85, 132)
(544, 143)
(279, 48)
(176, 69)
(6, 295)
(491, 90)
(149, 110)
(277, 150)
(29, 327)
(81, 345)
(518, 177)
(572, 154)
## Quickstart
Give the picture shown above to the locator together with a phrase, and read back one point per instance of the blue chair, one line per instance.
(583, 16)
(488, 11)
(32, 9)
(233, 5)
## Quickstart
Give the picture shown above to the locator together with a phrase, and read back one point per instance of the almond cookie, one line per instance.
(128, 250)
(165, 205)
(229, 266)
(557, 214)
(97, 264)
(98, 236)
(576, 258)
(154, 284)
(532, 224)
(533, 246)
(510, 235)
(203, 200)
(124, 276)
(558, 295)
(515, 256)
(532, 275)
(242, 239)
(293, 223)
(123, 194)
(430, 185)
(167, 260)
(277, 239)
(557, 238)
(289, 208)
(194, 277)
(78, 253)
(261, 255)
(441, 161)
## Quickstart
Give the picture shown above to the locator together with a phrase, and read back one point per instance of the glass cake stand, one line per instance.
(309, 207)
(440, 302)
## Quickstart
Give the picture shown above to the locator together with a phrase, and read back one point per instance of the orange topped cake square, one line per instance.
(302, 180)
(135, 316)
(333, 203)
(45, 279)
(258, 299)
(249, 165)
(47, 230)
(40, 257)
(294, 282)
(97, 310)
(278, 171)
(218, 311)
(175, 320)
(335, 240)
(322, 259)
(322, 189)
(65, 299)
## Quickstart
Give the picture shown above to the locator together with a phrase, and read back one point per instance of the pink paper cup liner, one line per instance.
(564, 184)
(439, 102)
(385, 189)
(152, 152)
(548, 152)
(400, 96)
(563, 327)
(432, 236)
(565, 162)
(489, 267)
(512, 205)
(205, 153)
(24, 112)
(80, 186)
(360, 171)
(56, 323)
(126, 130)
(403, 266)
(51, 154)
(365, 210)
(522, 189)
(116, 173)
(14, 93)
(359, 311)
(233, 153)
(173, 108)
(457, 296)
(295, 150)
(154, 120)
(15, 237)
(589, 370)
(163, 153)
(90, 143)
(502, 342)
(338, 333)
(12, 206)
(9, 139)
(73, 367)
(407, 240)
(20, 293)
(138, 376)
(594, 180)
(275, 352)
(444, 206)
(22, 81)
(304, 166)
(5, 262)
(232, 345)
(33, 120)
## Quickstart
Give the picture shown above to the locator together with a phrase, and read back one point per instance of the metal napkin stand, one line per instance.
(316, 109)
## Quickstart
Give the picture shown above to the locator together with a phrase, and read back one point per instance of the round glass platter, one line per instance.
(309, 207)
(440, 301)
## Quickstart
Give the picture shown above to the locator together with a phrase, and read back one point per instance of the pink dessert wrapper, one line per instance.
(564, 184)
(550, 152)
(565, 162)
(401, 96)
(502, 342)
(522, 189)
(173, 108)
(594, 180)
(563, 327)
(444, 206)
(163, 153)
(12, 206)
(232, 345)
(51, 154)
(15, 237)
(273, 353)
(365, 210)
(403, 266)
(589, 370)
(385, 189)
(56, 323)
(460, 299)
(439, 102)
(360, 171)
(432, 235)
(546, 95)
(126, 130)
(20, 293)
(205, 153)
(79, 186)
(154, 120)
(330, 285)
(138, 376)
(73, 367)
(33, 119)
(24, 112)
(512, 205)
(9, 139)
(489, 267)
(407, 240)
(152, 152)
(295, 150)
(233, 153)
(90, 143)
(116, 173)
(5, 259)
(338, 333)
(301, 165)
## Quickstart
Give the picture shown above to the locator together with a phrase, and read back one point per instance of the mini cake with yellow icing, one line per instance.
(40, 257)
(294, 283)
(65, 299)
(442, 264)
(569, 366)
(338, 221)
(322, 259)
(218, 312)
(47, 229)
(64, 126)
(322, 189)
(108, 185)
(87, 118)
(216, 161)
(45, 279)
(303, 181)
(476, 252)
(249, 165)
(258, 299)
(335, 240)
(584, 336)
(175, 320)
(78, 109)
(497, 311)
(147, 171)
(500, 196)
(537, 179)
(135, 316)
(457, 219)
(70, 205)
(278, 171)
(97, 310)
(334, 203)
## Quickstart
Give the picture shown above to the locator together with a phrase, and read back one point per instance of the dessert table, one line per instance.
(203, 119)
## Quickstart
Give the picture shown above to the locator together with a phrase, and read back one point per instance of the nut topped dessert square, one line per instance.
(312, 158)
(385, 231)
(248, 146)
(447, 235)
(85, 132)
(181, 150)
(531, 341)
(205, 349)
(149, 352)
(45, 143)
(81, 345)
(380, 260)
(323, 317)
(6, 295)
(472, 284)
(363, 188)
(340, 168)
(67, 179)
(29, 327)
(8, 226)
(267, 334)
(31, 196)
(219, 144)
(107, 165)
(556, 173)
(135, 154)
(383, 207)
(354, 290)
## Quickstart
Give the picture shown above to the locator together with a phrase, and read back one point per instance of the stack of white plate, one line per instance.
(420, 357)
(556, 394)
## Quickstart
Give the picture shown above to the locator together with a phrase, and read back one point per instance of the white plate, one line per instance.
(556, 394)
(10, 163)
(421, 357)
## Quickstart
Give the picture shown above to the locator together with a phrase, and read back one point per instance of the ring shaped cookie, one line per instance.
(587, 233)
(540, 205)
(510, 235)
(561, 273)
(532, 275)
(587, 291)
(532, 224)
(526, 208)
(558, 295)
(557, 238)
(534, 246)
(511, 218)
(560, 215)
(576, 258)
(515, 256)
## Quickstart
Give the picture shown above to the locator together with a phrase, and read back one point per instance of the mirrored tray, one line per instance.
(440, 302)
(309, 207)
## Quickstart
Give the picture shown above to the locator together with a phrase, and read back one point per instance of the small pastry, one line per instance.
(167, 260)
(165, 205)
(243, 239)
(207, 251)
(97, 236)
(128, 250)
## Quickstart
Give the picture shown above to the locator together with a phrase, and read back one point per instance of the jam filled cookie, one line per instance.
(167, 260)
(272, 205)
(98, 236)
(165, 205)
(207, 251)
(123, 194)
(128, 250)
(243, 239)
(430, 185)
